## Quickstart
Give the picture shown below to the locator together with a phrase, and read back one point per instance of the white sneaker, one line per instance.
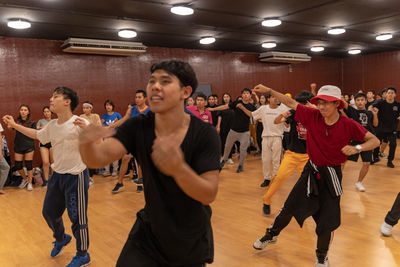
(324, 264)
(360, 187)
(29, 187)
(23, 183)
(262, 242)
(91, 181)
(114, 174)
(230, 161)
(386, 229)
(105, 174)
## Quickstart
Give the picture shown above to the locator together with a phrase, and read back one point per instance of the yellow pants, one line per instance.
(290, 162)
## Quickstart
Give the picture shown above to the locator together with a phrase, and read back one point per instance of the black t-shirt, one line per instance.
(227, 117)
(21, 141)
(363, 117)
(241, 121)
(369, 104)
(297, 135)
(387, 116)
(173, 228)
(214, 115)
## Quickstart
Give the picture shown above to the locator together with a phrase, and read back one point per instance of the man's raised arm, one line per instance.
(291, 103)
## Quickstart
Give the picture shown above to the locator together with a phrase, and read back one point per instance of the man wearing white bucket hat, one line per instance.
(318, 190)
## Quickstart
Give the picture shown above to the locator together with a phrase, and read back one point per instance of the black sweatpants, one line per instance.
(283, 219)
(393, 215)
(68, 191)
(391, 137)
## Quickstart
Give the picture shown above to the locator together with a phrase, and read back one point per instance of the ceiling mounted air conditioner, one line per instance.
(102, 47)
(283, 57)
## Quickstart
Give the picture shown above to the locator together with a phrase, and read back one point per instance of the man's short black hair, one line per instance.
(303, 97)
(182, 70)
(384, 91)
(70, 94)
(214, 95)
(391, 88)
(360, 95)
(108, 101)
(246, 90)
(201, 95)
(371, 90)
(141, 92)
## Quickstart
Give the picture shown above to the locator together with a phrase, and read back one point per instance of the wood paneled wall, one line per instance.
(374, 71)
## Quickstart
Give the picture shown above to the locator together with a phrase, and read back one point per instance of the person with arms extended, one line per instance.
(318, 190)
(179, 155)
(68, 186)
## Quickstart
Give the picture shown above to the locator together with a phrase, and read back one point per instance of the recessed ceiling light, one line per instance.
(336, 31)
(19, 24)
(127, 33)
(269, 45)
(383, 37)
(354, 51)
(182, 10)
(317, 48)
(207, 40)
(271, 22)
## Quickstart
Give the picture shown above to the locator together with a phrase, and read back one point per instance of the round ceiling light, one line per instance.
(207, 40)
(127, 33)
(269, 45)
(182, 10)
(317, 48)
(336, 31)
(271, 22)
(19, 24)
(384, 37)
(354, 51)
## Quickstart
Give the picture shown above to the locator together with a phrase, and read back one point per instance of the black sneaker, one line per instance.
(239, 169)
(265, 183)
(138, 181)
(139, 189)
(44, 183)
(267, 209)
(390, 164)
(262, 242)
(118, 188)
(322, 261)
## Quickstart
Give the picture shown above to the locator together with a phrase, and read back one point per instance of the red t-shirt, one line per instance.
(205, 116)
(325, 142)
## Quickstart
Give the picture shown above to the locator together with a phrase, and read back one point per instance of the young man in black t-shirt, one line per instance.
(368, 119)
(388, 115)
(370, 98)
(179, 155)
(240, 127)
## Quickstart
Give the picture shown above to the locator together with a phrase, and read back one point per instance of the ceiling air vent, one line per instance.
(102, 47)
(283, 57)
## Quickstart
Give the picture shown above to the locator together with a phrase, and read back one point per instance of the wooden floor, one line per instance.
(25, 239)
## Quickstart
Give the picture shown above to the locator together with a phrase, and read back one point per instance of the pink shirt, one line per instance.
(205, 116)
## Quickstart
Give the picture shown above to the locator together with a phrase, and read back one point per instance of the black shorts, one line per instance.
(366, 156)
(23, 150)
(48, 145)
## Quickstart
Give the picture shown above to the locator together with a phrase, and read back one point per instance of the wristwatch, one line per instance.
(358, 147)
